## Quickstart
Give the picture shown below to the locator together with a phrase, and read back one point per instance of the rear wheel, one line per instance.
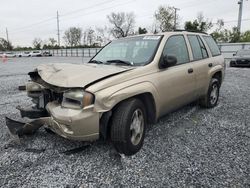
(211, 99)
(128, 126)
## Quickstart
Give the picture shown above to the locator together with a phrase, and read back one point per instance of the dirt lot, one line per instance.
(192, 147)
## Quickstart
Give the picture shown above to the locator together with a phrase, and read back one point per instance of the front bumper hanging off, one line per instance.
(37, 119)
(18, 128)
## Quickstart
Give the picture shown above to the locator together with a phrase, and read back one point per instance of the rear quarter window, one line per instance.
(212, 45)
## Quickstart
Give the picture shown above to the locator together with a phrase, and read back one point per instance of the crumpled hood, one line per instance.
(76, 75)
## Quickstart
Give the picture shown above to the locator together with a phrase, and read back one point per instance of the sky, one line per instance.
(27, 19)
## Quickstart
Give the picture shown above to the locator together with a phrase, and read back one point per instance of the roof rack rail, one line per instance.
(191, 31)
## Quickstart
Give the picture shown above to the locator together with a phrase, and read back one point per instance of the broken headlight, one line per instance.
(77, 99)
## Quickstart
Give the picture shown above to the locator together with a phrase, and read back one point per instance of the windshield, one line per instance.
(135, 50)
(243, 53)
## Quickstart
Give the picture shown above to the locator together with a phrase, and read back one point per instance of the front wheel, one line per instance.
(211, 99)
(128, 126)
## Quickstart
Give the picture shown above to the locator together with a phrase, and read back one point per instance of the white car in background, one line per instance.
(26, 54)
(23, 54)
(8, 54)
(35, 54)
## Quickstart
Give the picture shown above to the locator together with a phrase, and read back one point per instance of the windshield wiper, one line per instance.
(96, 61)
(120, 61)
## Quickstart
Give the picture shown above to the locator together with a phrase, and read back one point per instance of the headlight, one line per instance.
(77, 99)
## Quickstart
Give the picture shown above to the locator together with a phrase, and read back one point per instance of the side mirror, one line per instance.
(167, 61)
(234, 54)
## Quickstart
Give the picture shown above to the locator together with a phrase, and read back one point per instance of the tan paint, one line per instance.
(171, 88)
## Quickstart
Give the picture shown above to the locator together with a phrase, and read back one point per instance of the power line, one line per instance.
(100, 10)
(32, 25)
(231, 21)
(63, 15)
(86, 8)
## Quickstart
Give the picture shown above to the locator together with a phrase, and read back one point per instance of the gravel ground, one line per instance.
(192, 147)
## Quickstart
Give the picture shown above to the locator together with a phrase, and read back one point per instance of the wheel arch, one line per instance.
(218, 75)
(148, 98)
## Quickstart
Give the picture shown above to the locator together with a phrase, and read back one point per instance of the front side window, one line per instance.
(136, 50)
(212, 45)
(176, 46)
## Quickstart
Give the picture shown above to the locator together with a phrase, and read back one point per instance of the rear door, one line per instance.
(201, 63)
(176, 84)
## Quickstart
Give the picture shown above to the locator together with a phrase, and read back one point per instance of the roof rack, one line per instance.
(190, 31)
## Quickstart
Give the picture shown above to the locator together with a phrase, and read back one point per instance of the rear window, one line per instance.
(212, 45)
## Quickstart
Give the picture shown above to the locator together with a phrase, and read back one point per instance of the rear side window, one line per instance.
(212, 45)
(203, 48)
(198, 49)
(176, 46)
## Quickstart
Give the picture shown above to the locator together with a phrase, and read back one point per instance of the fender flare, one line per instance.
(106, 103)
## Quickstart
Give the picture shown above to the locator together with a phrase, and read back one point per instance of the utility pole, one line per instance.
(240, 2)
(175, 16)
(7, 35)
(58, 29)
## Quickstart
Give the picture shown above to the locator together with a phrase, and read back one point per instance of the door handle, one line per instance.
(190, 71)
(210, 64)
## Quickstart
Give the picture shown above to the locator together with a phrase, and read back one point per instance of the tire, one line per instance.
(211, 99)
(128, 126)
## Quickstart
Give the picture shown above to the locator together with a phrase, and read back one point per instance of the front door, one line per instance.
(176, 84)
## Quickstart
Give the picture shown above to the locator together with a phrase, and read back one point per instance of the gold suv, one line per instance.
(129, 84)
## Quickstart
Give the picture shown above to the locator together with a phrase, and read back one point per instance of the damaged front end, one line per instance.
(36, 115)
(65, 111)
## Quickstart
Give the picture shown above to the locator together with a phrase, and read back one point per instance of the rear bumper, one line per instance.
(82, 125)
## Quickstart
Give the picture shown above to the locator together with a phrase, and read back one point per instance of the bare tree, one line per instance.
(205, 24)
(165, 18)
(90, 36)
(122, 24)
(37, 43)
(5, 45)
(73, 36)
(103, 35)
(52, 41)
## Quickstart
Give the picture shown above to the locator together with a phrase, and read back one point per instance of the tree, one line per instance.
(245, 37)
(73, 36)
(122, 24)
(200, 24)
(142, 31)
(103, 35)
(52, 42)
(225, 35)
(5, 45)
(37, 43)
(90, 36)
(165, 18)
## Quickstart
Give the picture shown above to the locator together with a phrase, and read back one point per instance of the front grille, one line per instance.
(57, 96)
